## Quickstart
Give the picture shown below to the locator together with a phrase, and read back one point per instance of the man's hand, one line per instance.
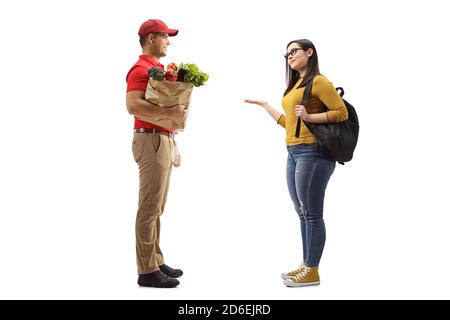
(178, 113)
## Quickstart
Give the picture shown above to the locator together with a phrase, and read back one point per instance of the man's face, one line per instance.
(159, 43)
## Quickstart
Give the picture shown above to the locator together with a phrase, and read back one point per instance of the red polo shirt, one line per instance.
(137, 79)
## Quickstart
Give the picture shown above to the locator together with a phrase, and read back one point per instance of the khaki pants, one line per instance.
(152, 152)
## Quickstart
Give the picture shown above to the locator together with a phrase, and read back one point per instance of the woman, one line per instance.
(308, 168)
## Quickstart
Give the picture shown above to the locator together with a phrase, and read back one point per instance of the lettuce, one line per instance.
(189, 72)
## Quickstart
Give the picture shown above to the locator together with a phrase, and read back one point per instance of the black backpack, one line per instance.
(337, 140)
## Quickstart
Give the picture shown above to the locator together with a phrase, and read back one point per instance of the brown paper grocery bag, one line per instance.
(168, 94)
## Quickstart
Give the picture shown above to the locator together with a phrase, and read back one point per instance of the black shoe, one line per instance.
(157, 279)
(173, 273)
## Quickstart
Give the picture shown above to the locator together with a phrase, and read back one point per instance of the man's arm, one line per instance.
(138, 106)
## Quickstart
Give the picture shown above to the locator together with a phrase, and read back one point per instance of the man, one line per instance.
(152, 149)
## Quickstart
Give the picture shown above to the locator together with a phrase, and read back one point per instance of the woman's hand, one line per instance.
(273, 113)
(261, 103)
(300, 112)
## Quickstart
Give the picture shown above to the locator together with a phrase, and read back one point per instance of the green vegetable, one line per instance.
(156, 73)
(189, 72)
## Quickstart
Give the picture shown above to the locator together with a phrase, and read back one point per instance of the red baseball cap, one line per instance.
(155, 26)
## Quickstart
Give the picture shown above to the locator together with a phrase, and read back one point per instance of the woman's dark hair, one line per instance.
(292, 76)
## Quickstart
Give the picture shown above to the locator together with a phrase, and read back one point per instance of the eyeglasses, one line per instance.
(292, 52)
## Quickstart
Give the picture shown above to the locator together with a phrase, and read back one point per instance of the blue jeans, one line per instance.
(308, 171)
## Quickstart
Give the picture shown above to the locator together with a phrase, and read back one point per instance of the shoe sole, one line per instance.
(160, 286)
(292, 284)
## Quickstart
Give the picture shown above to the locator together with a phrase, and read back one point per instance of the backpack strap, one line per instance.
(306, 95)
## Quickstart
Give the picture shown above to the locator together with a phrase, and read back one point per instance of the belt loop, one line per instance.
(153, 130)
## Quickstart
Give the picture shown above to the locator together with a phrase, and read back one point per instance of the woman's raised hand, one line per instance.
(261, 103)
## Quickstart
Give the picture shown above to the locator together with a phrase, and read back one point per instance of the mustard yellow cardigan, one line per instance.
(323, 92)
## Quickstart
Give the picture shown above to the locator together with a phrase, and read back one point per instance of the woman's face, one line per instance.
(297, 57)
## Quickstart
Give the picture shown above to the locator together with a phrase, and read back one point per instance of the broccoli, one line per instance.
(156, 73)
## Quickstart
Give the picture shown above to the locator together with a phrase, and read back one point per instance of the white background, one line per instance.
(68, 181)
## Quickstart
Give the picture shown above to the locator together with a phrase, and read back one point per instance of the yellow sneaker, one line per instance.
(292, 274)
(308, 277)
